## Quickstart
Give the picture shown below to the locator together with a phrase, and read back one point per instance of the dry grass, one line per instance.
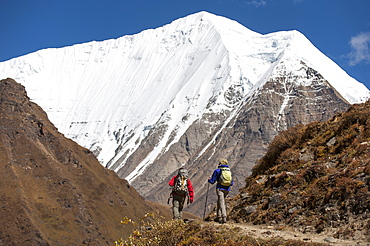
(177, 232)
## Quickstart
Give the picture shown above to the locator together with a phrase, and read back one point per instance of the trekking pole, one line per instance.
(205, 205)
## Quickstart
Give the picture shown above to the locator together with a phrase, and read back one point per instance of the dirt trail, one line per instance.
(266, 232)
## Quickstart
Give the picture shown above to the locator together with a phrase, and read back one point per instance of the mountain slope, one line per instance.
(281, 103)
(54, 192)
(189, 93)
(314, 178)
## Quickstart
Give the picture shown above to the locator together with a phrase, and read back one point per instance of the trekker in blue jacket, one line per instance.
(221, 190)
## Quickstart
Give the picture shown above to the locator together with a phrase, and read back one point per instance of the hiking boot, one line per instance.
(223, 221)
(218, 220)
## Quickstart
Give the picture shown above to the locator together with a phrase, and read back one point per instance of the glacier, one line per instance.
(108, 95)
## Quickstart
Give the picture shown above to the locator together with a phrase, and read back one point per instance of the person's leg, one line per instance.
(181, 205)
(178, 205)
(175, 207)
(223, 209)
(221, 213)
(218, 207)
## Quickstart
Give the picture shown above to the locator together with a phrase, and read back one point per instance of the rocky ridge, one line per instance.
(52, 191)
(314, 178)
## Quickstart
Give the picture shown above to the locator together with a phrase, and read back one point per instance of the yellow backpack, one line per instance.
(225, 178)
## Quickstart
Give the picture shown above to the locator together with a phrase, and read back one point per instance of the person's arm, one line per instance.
(214, 177)
(172, 181)
(191, 191)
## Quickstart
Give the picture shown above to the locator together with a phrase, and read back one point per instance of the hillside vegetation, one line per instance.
(314, 178)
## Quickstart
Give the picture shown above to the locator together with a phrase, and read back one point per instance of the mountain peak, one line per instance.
(221, 23)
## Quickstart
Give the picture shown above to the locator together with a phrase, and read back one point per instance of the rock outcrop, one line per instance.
(314, 178)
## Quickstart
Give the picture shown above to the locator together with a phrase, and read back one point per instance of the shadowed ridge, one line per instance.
(54, 192)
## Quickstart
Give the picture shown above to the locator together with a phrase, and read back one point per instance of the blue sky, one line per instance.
(339, 28)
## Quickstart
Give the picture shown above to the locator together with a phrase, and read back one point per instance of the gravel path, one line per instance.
(266, 232)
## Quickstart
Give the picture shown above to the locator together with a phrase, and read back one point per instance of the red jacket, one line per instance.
(190, 187)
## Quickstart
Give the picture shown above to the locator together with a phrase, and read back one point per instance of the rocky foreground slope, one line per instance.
(314, 178)
(52, 191)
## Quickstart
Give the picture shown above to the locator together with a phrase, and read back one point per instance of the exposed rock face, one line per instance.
(52, 191)
(280, 104)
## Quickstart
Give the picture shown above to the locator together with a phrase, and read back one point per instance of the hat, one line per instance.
(224, 162)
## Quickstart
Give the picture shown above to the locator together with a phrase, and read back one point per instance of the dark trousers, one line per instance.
(177, 206)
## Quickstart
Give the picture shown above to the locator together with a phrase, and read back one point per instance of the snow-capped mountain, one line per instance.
(148, 103)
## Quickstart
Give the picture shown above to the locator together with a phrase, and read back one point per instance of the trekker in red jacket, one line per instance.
(181, 188)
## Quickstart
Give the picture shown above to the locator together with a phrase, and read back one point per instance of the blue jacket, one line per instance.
(215, 176)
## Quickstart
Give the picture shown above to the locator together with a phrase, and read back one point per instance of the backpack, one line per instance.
(181, 182)
(225, 178)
